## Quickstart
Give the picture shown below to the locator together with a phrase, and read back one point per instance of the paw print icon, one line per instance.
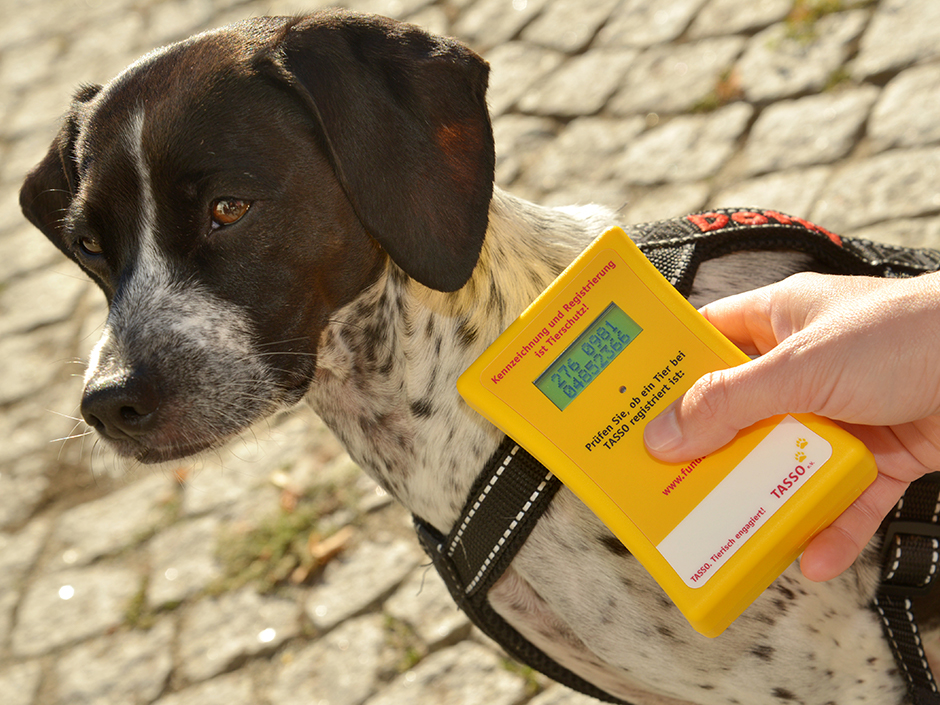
(801, 443)
(800, 456)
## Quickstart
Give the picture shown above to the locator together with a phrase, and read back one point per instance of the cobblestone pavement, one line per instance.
(276, 573)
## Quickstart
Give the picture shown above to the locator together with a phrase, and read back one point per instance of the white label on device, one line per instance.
(740, 504)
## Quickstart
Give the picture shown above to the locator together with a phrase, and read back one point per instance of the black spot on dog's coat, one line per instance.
(763, 652)
(422, 408)
(613, 545)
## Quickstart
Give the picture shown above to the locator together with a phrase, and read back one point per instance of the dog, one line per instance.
(292, 209)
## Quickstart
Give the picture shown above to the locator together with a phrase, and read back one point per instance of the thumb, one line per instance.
(716, 407)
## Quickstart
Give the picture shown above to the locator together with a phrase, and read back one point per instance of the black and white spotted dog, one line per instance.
(289, 209)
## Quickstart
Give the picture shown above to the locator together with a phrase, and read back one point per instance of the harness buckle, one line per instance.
(909, 570)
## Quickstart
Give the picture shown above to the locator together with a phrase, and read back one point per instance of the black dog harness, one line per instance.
(514, 489)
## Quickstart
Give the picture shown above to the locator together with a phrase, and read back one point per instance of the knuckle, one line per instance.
(709, 399)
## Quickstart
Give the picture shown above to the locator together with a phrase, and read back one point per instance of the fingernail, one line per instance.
(662, 433)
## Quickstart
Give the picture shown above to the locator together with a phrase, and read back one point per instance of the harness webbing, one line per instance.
(911, 560)
(514, 489)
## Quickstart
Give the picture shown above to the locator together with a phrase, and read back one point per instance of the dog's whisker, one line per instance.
(47, 191)
(71, 275)
(286, 352)
(73, 436)
(303, 338)
(66, 416)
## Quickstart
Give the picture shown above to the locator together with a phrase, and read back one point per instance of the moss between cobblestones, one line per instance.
(402, 639)
(801, 22)
(840, 77)
(137, 615)
(276, 551)
(727, 90)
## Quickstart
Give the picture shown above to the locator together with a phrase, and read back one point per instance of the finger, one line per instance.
(836, 547)
(720, 404)
(704, 419)
(744, 319)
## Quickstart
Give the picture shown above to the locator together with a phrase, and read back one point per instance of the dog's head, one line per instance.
(229, 192)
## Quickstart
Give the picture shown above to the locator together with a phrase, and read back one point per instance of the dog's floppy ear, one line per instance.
(404, 118)
(50, 186)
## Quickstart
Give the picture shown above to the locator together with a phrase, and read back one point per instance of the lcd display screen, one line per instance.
(584, 359)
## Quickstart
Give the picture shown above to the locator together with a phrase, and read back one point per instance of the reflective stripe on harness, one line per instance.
(513, 490)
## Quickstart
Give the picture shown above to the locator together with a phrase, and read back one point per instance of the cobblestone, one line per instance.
(731, 17)
(425, 605)
(901, 33)
(112, 585)
(523, 137)
(636, 23)
(102, 527)
(183, 561)
(895, 184)
(907, 232)
(21, 309)
(818, 129)
(22, 487)
(568, 26)
(581, 86)
(670, 201)
(129, 667)
(356, 581)
(64, 607)
(686, 148)
(582, 151)
(514, 68)
(778, 65)
(467, 674)
(674, 79)
(20, 683)
(35, 369)
(343, 668)
(489, 23)
(905, 115)
(218, 632)
(561, 696)
(791, 191)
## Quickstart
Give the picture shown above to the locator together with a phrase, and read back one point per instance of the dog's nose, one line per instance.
(121, 407)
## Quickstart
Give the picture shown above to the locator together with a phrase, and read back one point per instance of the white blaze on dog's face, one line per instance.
(158, 323)
(217, 192)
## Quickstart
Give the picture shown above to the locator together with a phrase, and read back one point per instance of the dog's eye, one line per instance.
(227, 211)
(90, 246)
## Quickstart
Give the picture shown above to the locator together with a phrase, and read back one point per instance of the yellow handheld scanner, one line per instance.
(602, 351)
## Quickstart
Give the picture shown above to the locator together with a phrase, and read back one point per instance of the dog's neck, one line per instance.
(389, 361)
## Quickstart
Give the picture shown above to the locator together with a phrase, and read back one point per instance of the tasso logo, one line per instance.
(793, 477)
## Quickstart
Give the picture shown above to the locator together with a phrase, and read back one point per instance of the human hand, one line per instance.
(862, 351)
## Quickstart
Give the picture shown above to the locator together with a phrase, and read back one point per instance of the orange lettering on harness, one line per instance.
(709, 221)
(748, 218)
